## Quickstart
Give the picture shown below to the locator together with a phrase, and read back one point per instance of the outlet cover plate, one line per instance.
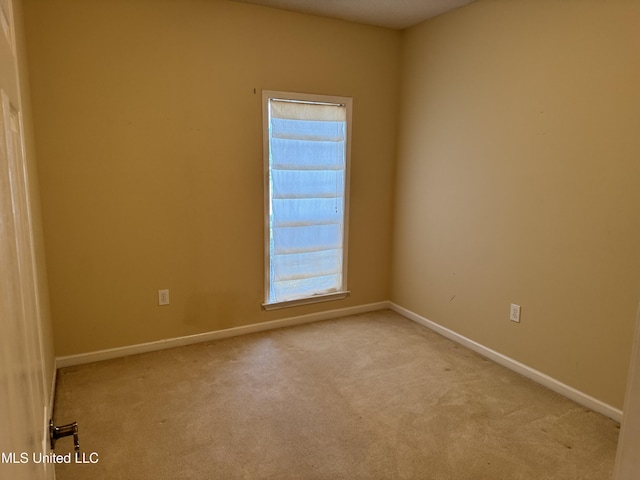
(514, 316)
(163, 297)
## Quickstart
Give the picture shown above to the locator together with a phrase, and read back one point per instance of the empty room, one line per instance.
(281, 239)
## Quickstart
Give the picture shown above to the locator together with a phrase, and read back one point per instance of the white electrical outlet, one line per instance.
(515, 313)
(163, 297)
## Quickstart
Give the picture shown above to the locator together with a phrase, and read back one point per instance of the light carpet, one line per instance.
(370, 396)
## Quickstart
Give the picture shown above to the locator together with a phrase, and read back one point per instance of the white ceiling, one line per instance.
(396, 14)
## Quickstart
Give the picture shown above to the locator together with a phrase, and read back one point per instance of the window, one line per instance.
(306, 145)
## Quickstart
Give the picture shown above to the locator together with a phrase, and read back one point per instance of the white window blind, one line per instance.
(307, 172)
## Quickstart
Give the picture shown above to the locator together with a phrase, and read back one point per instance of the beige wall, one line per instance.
(34, 202)
(150, 154)
(517, 159)
(518, 182)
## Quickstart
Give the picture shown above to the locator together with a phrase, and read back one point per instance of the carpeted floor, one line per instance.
(371, 396)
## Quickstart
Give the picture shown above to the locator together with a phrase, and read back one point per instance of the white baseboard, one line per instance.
(535, 375)
(100, 355)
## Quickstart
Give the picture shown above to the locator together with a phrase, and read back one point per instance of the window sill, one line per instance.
(306, 301)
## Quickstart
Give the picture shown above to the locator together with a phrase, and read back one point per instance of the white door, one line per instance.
(23, 398)
(628, 459)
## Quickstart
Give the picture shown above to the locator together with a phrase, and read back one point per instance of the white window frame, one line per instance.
(310, 98)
